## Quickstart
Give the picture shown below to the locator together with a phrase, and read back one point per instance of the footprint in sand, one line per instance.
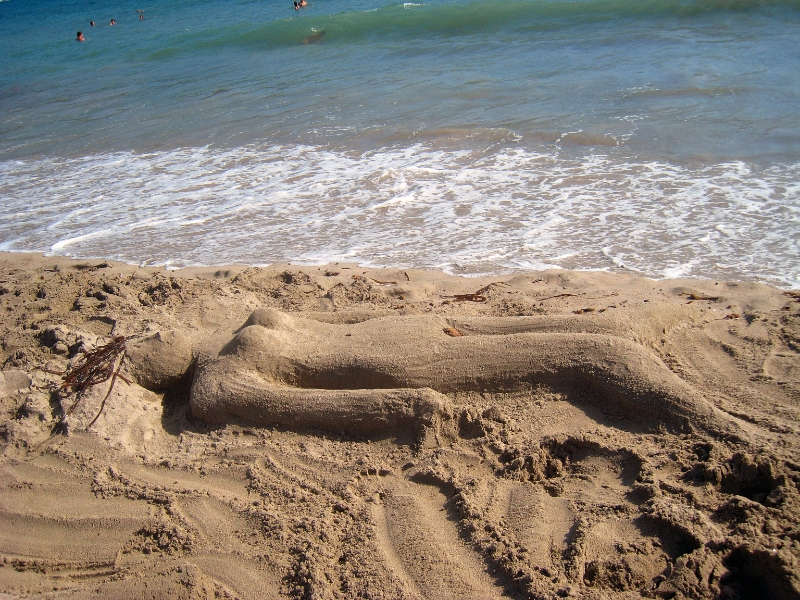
(419, 537)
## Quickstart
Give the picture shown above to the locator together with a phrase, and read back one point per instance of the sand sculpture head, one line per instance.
(161, 361)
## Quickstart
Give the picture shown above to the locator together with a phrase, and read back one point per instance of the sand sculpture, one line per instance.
(369, 376)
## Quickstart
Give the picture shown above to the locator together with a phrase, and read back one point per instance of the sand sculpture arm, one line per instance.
(221, 394)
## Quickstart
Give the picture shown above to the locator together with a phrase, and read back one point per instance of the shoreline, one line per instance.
(204, 270)
(532, 211)
(658, 441)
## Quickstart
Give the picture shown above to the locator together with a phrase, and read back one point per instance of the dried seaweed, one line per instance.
(469, 298)
(103, 265)
(557, 296)
(97, 366)
(477, 296)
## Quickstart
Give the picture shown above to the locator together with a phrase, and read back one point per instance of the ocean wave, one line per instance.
(458, 209)
(452, 20)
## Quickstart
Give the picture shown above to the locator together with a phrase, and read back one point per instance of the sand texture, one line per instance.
(341, 432)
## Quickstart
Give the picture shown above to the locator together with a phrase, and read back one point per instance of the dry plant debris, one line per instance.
(558, 296)
(700, 297)
(453, 332)
(97, 366)
(475, 297)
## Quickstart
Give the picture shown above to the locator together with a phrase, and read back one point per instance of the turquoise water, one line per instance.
(657, 137)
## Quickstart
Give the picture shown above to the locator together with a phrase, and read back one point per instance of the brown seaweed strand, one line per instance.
(95, 367)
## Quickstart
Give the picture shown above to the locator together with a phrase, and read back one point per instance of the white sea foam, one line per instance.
(462, 211)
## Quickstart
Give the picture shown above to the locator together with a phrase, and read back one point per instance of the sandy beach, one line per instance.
(342, 432)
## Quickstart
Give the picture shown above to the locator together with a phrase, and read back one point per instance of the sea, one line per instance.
(475, 137)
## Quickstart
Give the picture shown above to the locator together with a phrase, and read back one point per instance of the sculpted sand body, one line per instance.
(389, 372)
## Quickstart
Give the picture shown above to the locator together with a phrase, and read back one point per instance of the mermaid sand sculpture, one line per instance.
(393, 372)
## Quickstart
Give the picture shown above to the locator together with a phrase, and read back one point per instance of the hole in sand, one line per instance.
(758, 573)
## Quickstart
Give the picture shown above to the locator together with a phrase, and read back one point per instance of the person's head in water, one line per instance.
(296, 5)
(80, 37)
(141, 17)
(91, 23)
(113, 22)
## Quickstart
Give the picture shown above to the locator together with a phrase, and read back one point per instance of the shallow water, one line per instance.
(657, 137)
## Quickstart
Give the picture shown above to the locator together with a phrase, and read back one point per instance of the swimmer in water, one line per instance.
(80, 37)
(296, 5)
(113, 22)
(141, 17)
(91, 23)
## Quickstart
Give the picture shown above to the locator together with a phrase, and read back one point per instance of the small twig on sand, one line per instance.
(557, 296)
(477, 296)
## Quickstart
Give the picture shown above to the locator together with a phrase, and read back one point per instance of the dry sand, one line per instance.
(340, 432)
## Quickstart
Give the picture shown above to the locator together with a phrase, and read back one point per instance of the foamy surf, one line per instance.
(463, 211)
